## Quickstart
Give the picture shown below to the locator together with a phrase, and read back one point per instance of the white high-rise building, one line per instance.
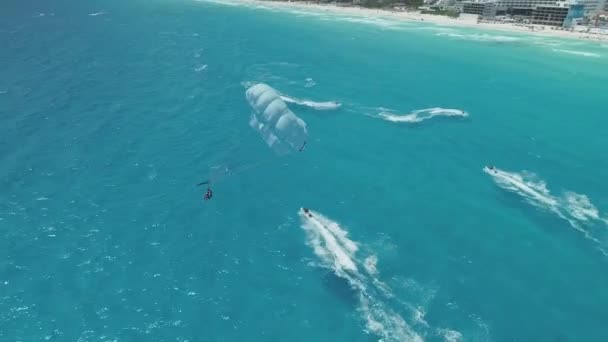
(592, 6)
(524, 3)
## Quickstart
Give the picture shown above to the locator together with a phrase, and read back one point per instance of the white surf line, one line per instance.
(578, 53)
(480, 37)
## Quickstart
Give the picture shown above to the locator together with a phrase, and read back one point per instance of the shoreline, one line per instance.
(429, 18)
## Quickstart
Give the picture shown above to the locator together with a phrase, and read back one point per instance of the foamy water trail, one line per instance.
(574, 208)
(331, 244)
(423, 114)
(578, 53)
(580, 207)
(40, 15)
(329, 105)
(336, 251)
(535, 192)
(200, 68)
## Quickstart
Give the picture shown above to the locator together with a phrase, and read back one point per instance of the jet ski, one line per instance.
(307, 212)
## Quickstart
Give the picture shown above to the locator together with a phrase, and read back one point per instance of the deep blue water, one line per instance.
(108, 121)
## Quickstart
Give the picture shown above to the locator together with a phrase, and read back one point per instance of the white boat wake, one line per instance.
(40, 15)
(329, 105)
(331, 244)
(574, 208)
(200, 68)
(423, 114)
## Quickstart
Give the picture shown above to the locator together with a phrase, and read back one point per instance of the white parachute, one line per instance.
(281, 129)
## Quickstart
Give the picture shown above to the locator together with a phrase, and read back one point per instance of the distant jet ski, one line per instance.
(307, 212)
(491, 168)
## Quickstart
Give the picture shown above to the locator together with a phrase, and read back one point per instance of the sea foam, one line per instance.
(328, 105)
(574, 208)
(331, 244)
(423, 114)
(480, 37)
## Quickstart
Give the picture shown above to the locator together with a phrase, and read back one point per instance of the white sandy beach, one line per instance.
(435, 19)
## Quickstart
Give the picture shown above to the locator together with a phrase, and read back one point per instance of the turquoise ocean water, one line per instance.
(111, 112)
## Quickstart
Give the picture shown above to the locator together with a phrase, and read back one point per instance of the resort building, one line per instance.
(550, 15)
(544, 12)
(562, 15)
(525, 7)
(482, 9)
(592, 6)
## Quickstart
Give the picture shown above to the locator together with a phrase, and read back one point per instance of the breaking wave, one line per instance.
(480, 37)
(545, 42)
(578, 53)
(574, 208)
(580, 207)
(329, 105)
(337, 252)
(374, 21)
(423, 114)
(227, 3)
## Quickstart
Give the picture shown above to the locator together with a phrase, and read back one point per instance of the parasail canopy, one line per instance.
(281, 129)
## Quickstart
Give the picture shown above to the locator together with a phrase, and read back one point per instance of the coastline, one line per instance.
(428, 18)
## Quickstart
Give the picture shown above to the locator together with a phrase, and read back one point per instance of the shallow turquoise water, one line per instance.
(108, 121)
